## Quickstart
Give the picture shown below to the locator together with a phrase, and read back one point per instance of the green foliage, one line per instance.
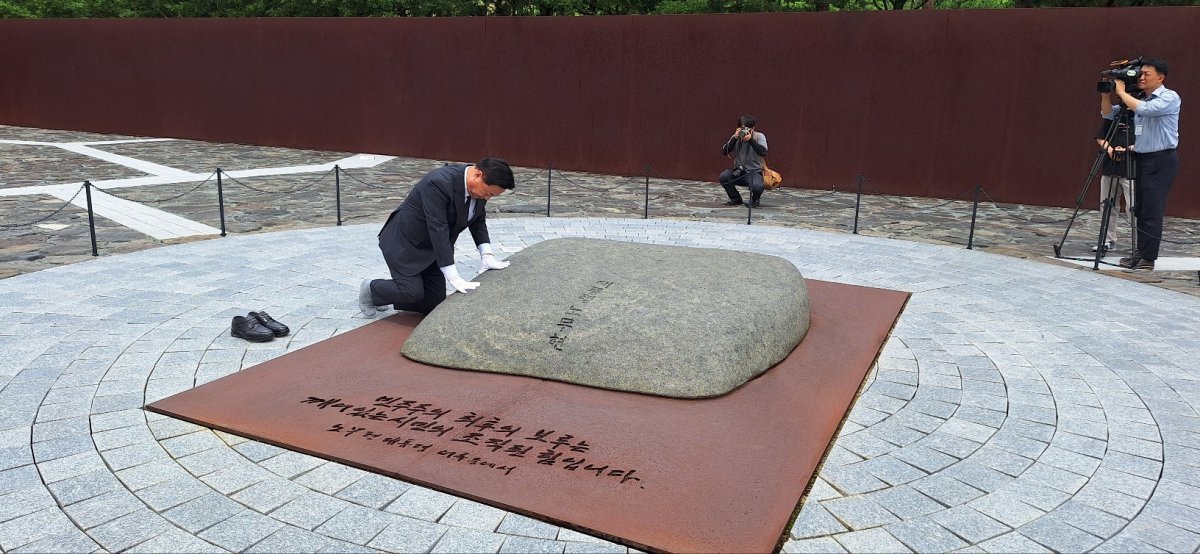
(448, 8)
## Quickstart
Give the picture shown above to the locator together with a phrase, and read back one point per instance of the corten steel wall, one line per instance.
(925, 102)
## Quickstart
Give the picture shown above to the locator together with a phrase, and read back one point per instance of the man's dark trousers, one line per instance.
(753, 179)
(419, 293)
(1156, 173)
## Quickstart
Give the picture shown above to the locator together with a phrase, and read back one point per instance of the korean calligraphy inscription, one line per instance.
(470, 438)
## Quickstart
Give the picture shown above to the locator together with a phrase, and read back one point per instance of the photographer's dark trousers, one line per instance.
(753, 179)
(1156, 173)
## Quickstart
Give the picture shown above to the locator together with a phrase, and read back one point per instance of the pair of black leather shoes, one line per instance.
(257, 327)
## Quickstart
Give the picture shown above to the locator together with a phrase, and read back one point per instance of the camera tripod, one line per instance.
(1119, 132)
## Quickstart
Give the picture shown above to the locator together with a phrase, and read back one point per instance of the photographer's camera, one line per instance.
(743, 132)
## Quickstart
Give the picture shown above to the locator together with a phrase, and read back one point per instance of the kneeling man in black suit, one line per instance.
(418, 239)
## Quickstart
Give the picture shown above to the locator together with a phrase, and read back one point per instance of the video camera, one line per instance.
(1128, 71)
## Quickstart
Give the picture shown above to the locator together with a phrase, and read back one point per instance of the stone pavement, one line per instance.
(1009, 411)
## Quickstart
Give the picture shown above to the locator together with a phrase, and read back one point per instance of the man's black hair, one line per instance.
(1159, 64)
(496, 172)
(746, 121)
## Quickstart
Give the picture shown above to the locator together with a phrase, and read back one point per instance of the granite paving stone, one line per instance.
(292, 539)
(923, 535)
(128, 530)
(201, 513)
(356, 524)
(175, 540)
(1000, 416)
(240, 531)
(1058, 536)
(523, 526)
(268, 494)
(871, 540)
(310, 510)
(373, 491)
(1013, 542)
(528, 545)
(168, 494)
(473, 515)
(422, 503)
(31, 527)
(819, 544)
(859, 512)
(593, 548)
(73, 540)
(815, 521)
(405, 534)
(104, 508)
(330, 477)
(969, 524)
(469, 540)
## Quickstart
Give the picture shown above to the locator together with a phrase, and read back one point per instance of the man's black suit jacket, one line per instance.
(422, 231)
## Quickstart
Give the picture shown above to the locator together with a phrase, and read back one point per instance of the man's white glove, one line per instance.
(460, 284)
(489, 261)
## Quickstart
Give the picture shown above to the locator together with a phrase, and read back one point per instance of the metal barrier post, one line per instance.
(87, 188)
(646, 209)
(337, 191)
(549, 171)
(974, 210)
(221, 201)
(857, 201)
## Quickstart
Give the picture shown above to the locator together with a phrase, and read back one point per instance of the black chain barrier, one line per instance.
(52, 214)
(112, 192)
(593, 188)
(1019, 216)
(312, 183)
(1016, 211)
(343, 171)
(910, 207)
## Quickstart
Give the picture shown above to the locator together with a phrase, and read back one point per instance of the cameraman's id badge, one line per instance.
(1137, 130)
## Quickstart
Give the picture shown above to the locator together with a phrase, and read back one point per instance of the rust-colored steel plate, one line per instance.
(715, 475)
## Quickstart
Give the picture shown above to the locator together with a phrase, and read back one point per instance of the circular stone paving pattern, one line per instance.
(1018, 406)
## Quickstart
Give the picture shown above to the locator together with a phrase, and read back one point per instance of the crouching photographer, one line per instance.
(746, 147)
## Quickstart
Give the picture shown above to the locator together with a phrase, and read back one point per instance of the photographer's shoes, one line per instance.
(279, 329)
(1110, 245)
(250, 329)
(1136, 263)
(734, 203)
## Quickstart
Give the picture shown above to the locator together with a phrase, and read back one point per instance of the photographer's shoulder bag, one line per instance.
(771, 178)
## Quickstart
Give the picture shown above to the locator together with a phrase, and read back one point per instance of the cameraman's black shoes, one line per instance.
(1136, 263)
(279, 329)
(734, 203)
(755, 203)
(250, 329)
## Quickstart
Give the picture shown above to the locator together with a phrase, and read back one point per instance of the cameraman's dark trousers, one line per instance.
(1156, 173)
(753, 178)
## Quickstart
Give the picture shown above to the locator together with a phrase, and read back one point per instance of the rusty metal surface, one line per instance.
(923, 102)
(715, 475)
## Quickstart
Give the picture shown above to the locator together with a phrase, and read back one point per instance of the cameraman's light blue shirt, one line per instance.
(1155, 121)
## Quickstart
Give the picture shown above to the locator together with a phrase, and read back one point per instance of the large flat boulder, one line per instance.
(665, 320)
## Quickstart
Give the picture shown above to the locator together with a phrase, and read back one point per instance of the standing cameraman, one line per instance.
(747, 148)
(1156, 134)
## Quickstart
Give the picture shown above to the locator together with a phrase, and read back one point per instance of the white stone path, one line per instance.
(139, 217)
